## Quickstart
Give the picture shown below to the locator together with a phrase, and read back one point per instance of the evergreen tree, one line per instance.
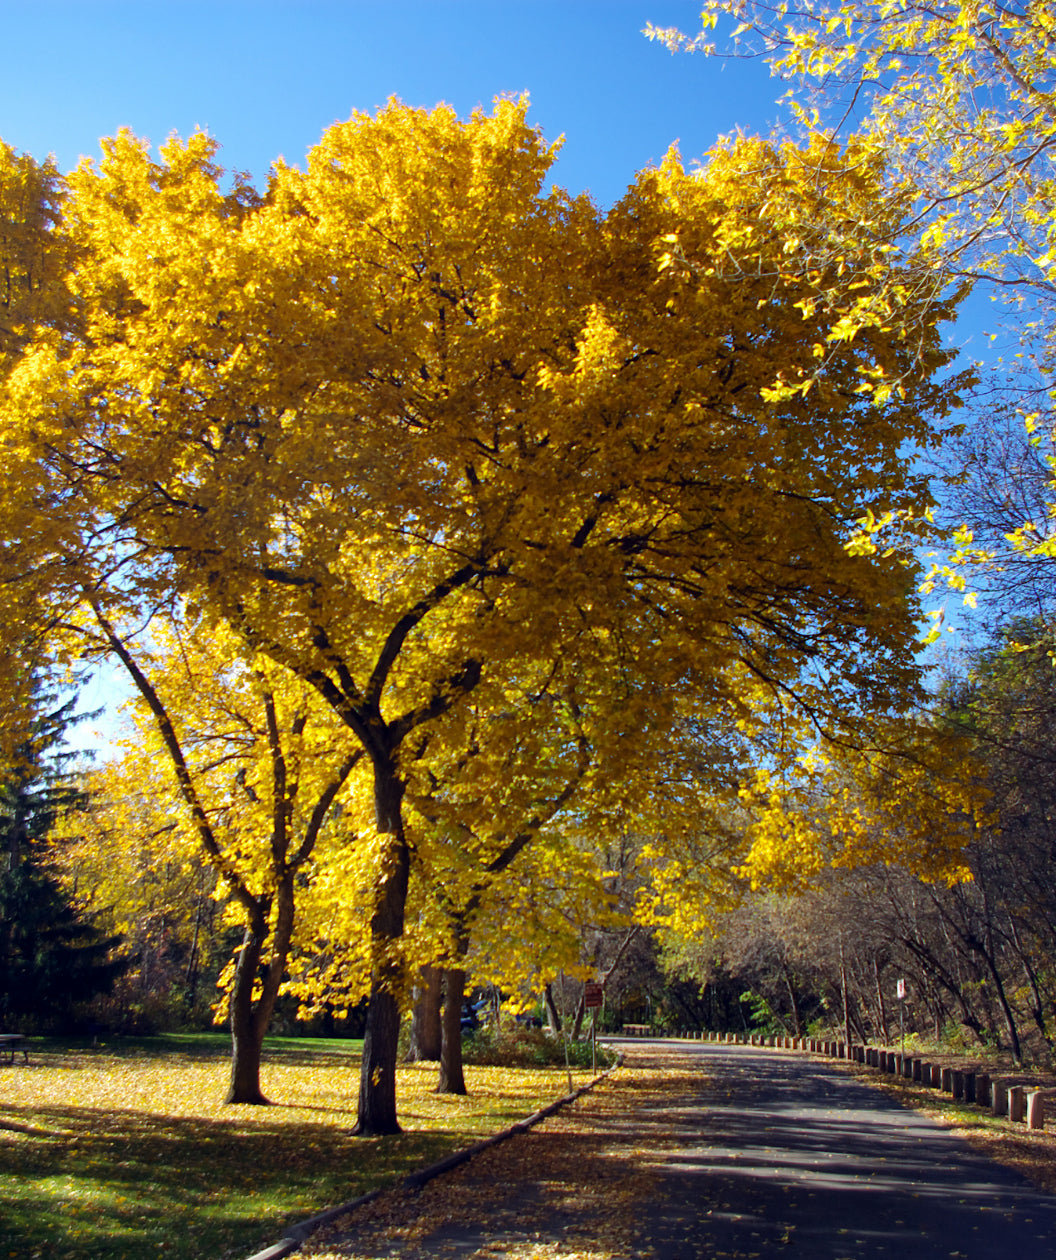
(51, 958)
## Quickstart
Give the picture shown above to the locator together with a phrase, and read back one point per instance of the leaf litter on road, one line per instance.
(574, 1188)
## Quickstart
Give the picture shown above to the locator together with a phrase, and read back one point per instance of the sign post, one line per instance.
(593, 995)
(901, 992)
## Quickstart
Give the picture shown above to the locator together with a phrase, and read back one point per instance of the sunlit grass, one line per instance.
(124, 1151)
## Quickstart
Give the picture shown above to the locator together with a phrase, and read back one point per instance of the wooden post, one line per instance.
(1035, 1110)
(946, 1080)
(957, 1084)
(969, 1087)
(982, 1089)
(918, 1070)
(999, 1099)
(1017, 1103)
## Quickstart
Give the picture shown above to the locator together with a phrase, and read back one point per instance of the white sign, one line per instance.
(901, 990)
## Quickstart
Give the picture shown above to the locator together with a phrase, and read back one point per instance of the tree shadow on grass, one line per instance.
(80, 1182)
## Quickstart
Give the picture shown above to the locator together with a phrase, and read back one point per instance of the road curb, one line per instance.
(297, 1235)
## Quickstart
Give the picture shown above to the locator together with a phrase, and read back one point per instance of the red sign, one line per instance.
(592, 996)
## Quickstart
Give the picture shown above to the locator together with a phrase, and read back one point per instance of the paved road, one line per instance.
(774, 1150)
(719, 1151)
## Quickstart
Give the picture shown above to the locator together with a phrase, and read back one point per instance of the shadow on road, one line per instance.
(718, 1151)
(773, 1150)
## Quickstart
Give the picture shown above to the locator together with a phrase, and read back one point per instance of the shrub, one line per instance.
(527, 1047)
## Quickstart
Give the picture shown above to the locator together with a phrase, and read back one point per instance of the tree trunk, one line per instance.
(377, 1077)
(881, 1009)
(941, 981)
(796, 1027)
(985, 950)
(552, 1016)
(247, 1033)
(249, 1018)
(426, 1037)
(452, 1078)
(192, 962)
(1037, 1003)
(848, 1039)
(376, 1115)
(577, 1021)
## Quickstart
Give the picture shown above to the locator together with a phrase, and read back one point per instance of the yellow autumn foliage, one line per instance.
(530, 497)
(958, 101)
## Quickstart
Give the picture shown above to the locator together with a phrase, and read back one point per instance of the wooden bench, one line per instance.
(12, 1042)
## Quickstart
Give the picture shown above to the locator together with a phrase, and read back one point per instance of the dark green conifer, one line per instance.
(52, 958)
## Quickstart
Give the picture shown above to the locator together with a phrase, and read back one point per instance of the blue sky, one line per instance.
(267, 77)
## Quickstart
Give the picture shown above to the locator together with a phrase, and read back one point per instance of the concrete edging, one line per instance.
(299, 1234)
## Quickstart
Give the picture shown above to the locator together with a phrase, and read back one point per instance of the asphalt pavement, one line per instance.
(722, 1151)
(778, 1151)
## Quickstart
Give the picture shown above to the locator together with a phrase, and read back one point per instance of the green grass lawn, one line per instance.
(122, 1151)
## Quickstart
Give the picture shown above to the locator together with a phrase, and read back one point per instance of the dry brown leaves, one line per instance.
(572, 1188)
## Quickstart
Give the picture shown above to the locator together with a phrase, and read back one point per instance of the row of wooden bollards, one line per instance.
(1016, 1102)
